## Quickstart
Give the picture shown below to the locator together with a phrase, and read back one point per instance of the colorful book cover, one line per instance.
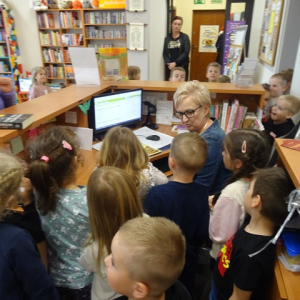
(291, 144)
(232, 117)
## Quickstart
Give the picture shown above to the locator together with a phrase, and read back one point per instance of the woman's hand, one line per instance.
(5, 85)
(171, 65)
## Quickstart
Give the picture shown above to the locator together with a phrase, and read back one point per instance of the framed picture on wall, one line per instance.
(270, 31)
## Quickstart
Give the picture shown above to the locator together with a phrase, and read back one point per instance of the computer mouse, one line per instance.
(153, 137)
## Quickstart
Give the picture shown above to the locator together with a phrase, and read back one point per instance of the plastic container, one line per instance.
(292, 245)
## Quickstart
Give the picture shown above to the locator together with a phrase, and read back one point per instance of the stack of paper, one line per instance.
(246, 72)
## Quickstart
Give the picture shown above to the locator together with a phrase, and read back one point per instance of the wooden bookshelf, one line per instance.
(94, 28)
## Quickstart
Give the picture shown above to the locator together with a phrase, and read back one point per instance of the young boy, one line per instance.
(278, 86)
(177, 74)
(213, 71)
(280, 122)
(147, 256)
(244, 268)
(184, 201)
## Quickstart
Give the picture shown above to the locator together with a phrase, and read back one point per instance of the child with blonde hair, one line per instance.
(62, 206)
(177, 74)
(38, 87)
(112, 200)
(122, 149)
(147, 256)
(245, 150)
(22, 273)
(134, 73)
(213, 72)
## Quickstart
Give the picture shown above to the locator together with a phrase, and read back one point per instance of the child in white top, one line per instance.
(38, 87)
(122, 149)
(245, 150)
(112, 200)
(63, 210)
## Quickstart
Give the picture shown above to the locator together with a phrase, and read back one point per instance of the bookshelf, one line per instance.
(60, 29)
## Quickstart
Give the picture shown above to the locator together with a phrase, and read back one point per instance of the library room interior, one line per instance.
(130, 92)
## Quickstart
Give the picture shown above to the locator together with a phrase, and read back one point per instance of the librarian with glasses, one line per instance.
(192, 105)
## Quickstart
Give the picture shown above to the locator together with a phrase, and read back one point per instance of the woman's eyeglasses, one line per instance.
(189, 113)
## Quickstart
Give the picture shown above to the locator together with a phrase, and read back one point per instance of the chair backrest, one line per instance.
(290, 135)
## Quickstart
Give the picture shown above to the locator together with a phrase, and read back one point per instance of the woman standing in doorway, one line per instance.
(177, 49)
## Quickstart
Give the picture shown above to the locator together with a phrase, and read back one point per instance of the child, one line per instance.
(134, 73)
(184, 201)
(177, 74)
(265, 113)
(245, 150)
(147, 256)
(122, 149)
(38, 87)
(278, 86)
(112, 200)
(288, 74)
(224, 79)
(213, 72)
(62, 206)
(22, 273)
(244, 266)
(280, 122)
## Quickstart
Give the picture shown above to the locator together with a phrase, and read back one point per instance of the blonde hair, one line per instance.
(133, 72)
(177, 69)
(11, 172)
(112, 200)
(157, 248)
(122, 149)
(288, 74)
(189, 151)
(198, 92)
(34, 73)
(294, 103)
(214, 64)
(281, 77)
(224, 79)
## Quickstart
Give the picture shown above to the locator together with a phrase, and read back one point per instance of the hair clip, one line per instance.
(45, 158)
(244, 147)
(66, 145)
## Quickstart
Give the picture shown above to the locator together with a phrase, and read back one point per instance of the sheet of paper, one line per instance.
(97, 146)
(136, 36)
(164, 112)
(85, 136)
(71, 117)
(85, 65)
(152, 97)
(135, 5)
(16, 145)
(143, 132)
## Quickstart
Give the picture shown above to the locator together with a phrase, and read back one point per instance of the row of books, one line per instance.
(3, 51)
(52, 55)
(93, 32)
(69, 19)
(104, 17)
(53, 71)
(72, 39)
(69, 71)
(51, 38)
(2, 36)
(4, 67)
(46, 20)
(230, 115)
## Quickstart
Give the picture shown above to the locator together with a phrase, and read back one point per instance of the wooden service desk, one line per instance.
(85, 170)
(286, 284)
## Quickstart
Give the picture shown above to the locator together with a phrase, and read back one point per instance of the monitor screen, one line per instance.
(109, 110)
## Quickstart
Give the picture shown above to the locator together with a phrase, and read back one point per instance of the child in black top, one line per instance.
(244, 266)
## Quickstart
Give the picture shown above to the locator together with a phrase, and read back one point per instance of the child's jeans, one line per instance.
(213, 293)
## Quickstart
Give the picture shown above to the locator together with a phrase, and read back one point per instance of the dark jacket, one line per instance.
(183, 59)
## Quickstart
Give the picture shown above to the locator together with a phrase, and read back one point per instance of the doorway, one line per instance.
(200, 60)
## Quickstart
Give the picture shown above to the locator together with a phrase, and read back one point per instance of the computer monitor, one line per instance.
(109, 110)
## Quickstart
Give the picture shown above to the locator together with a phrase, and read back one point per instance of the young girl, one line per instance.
(38, 87)
(244, 152)
(22, 274)
(62, 206)
(122, 149)
(112, 200)
(134, 73)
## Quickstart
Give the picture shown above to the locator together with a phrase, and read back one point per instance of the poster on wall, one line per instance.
(270, 31)
(135, 5)
(233, 61)
(112, 3)
(230, 32)
(136, 36)
(208, 37)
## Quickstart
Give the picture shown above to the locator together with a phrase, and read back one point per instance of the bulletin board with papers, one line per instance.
(270, 31)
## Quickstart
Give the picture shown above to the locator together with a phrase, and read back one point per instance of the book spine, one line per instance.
(11, 126)
(238, 118)
(224, 115)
